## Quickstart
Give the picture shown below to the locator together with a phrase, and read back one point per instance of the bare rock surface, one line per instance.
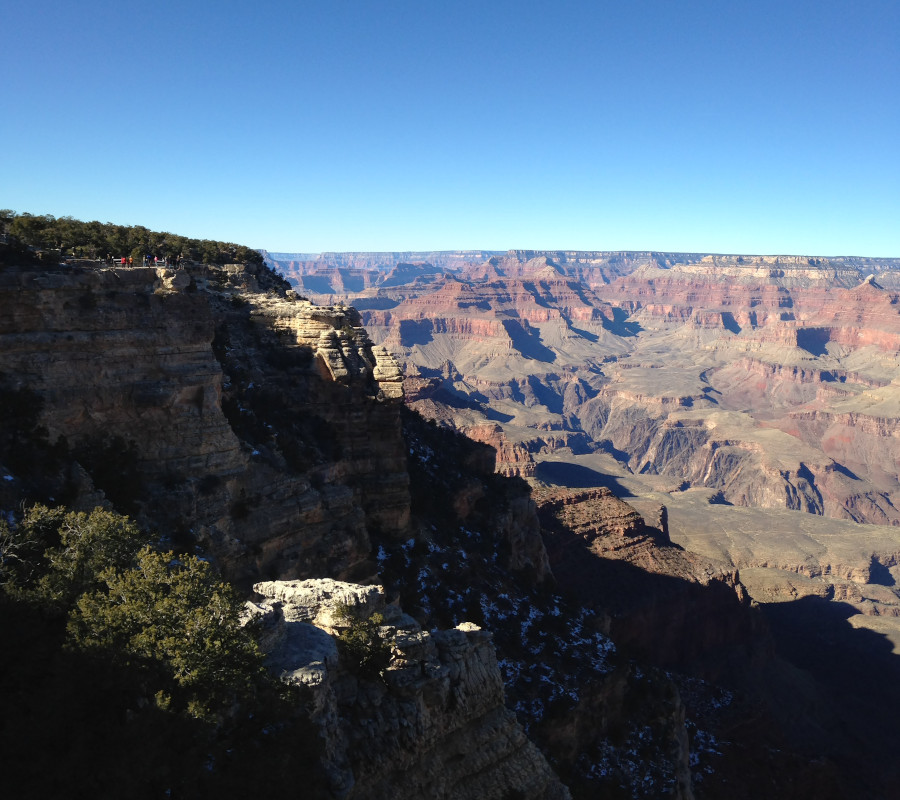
(209, 390)
(548, 352)
(755, 397)
(767, 382)
(601, 548)
(433, 724)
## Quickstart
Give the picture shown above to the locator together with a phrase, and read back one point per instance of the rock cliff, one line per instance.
(433, 724)
(640, 354)
(631, 577)
(229, 415)
(604, 722)
(257, 424)
(738, 391)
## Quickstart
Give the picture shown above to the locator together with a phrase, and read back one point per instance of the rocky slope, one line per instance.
(685, 366)
(737, 391)
(753, 652)
(232, 417)
(230, 414)
(276, 459)
(432, 725)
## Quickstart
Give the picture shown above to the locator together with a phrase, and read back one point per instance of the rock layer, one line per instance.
(641, 353)
(666, 603)
(432, 725)
(221, 391)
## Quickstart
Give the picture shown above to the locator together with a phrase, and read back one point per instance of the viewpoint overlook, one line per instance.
(519, 524)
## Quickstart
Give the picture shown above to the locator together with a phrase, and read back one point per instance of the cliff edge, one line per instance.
(209, 403)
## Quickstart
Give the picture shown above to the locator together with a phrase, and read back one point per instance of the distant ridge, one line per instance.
(383, 260)
(449, 258)
(289, 256)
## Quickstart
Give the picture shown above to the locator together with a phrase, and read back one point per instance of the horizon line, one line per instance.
(517, 250)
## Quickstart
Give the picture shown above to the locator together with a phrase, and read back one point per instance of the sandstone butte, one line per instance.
(544, 644)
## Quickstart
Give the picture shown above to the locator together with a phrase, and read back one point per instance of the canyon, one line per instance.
(756, 398)
(234, 419)
(770, 381)
(551, 630)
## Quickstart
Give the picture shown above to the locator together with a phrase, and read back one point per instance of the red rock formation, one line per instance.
(574, 350)
(513, 460)
(666, 603)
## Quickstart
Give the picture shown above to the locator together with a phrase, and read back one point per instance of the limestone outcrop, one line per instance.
(432, 724)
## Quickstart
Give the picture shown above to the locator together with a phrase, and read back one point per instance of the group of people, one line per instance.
(149, 261)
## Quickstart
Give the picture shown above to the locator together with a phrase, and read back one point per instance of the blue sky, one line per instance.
(751, 127)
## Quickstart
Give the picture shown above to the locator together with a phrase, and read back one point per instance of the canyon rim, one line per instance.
(549, 628)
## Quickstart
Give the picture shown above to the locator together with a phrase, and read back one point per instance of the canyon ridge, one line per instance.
(659, 563)
(730, 389)
(756, 399)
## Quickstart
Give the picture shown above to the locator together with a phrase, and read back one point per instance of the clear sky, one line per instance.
(742, 126)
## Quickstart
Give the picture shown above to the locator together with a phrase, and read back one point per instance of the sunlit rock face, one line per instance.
(260, 425)
(431, 724)
(770, 378)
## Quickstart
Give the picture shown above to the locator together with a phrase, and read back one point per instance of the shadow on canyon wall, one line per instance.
(528, 342)
(620, 325)
(576, 476)
(413, 332)
(813, 700)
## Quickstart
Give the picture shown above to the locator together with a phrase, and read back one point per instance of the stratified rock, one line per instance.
(433, 725)
(320, 601)
(250, 420)
(665, 603)
(387, 373)
(643, 353)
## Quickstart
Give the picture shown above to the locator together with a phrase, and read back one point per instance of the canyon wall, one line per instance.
(433, 724)
(258, 424)
(756, 398)
(227, 413)
(683, 365)
(231, 417)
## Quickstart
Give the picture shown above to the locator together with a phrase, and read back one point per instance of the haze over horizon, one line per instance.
(753, 128)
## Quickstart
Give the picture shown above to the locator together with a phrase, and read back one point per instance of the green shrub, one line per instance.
(362, 647)
(52, 556)
(176, 615)
(142, 654)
